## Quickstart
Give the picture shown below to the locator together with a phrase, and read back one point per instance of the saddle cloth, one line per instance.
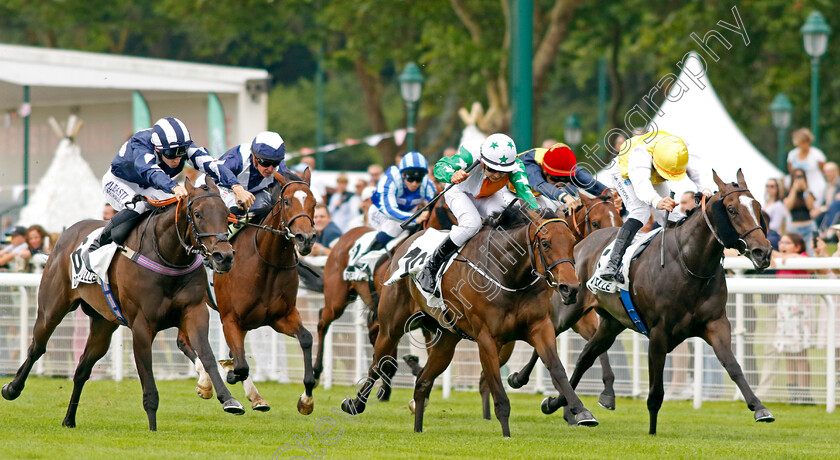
(639, 244)
(360, 264)
(100, 260)
(413, 261)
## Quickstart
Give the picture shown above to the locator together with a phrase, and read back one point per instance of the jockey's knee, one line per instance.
(641, 213)
(464, 231)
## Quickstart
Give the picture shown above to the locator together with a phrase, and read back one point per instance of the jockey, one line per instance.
(553, 174)
(645, 163)
(145, 165)
(254, 164)
(476, 195)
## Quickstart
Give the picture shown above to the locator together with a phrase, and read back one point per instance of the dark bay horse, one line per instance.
(150, 301)
(518, 313)
(685, 299)
(261, 288)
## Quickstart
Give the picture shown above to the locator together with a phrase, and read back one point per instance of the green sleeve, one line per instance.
(446, 167)
(519, 179)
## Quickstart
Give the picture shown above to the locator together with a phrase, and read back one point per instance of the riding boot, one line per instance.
(622, 242)
(117, 231)
(426, 277)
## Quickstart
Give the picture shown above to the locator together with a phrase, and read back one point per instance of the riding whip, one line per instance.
(664, 227)
(437, 197)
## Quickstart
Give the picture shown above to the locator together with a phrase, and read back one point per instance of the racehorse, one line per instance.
(261, 288)
(685, 299)
(520, 313)
(168, 294)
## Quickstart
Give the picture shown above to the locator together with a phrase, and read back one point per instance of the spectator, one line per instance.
(548, 143)
(831, 204)
(38, 240)
(17, 249)
(800, 201)
(343, 205)
(449, 151)
(810, 160)
(375, 172)
(107, 212)
(366, 202)
(794, 324)
(687, 202)
(326, 232)
(319, 189)
(360, 187)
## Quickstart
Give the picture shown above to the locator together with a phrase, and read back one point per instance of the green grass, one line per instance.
(111, 423)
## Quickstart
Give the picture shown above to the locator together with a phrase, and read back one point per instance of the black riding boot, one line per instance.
(622, 241)
(426, 277)
(117, 231)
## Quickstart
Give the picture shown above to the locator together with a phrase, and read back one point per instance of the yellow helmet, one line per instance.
(670, 157)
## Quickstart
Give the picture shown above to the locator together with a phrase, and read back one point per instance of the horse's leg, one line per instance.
(657, 350)
(608, 330)
(384, 393)
(251, 392)
(51, 310)
(586, 327)
(292, 326)
(520, 379)
(440, 355)
(504, 355)
(718, 335)
(544, 341)
(235, 338)
(97, 345)
(488, 354)
(195, 325)
(142, 338)
(335, 302)
(204, 388)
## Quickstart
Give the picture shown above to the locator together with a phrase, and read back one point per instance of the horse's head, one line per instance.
(736, 216)
(207, 217)
(552, 256)
(596, 213)
(294, 209)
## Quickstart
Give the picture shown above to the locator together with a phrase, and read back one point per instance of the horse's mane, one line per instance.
(512, 217)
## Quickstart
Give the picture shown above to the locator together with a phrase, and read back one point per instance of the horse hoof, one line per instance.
(231, 378)
(586, 418)
(260, 405)
(513, 381)
(305, 404)
(357, 409)
(232, 406)
(204, 393)
(227, 364)
(68, 423)
(9, 393)
(607, 402)
(316, 383)
(764, 415)
(546, 406)
(411, 406)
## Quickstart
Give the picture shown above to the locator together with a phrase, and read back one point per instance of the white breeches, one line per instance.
(118, 192)
(636, 208)
(469, 211)
(381, 222)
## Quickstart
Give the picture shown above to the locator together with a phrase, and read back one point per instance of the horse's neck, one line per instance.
(508, 250)
(166, 231)
(700, 247)
(276, 249)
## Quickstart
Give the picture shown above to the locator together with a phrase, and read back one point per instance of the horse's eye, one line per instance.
(285, 201)
(198, 215)
(596, 224)
(544, 243)
(732, 210)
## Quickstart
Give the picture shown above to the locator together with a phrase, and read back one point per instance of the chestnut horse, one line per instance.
(169, 238)
(261, 289)
(519, 313)
(685, 299)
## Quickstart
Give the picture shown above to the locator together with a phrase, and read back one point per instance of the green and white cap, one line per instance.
(498, 152)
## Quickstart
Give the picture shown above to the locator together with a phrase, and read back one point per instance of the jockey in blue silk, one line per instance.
(146, 165)
(254, 165)
(398, 192)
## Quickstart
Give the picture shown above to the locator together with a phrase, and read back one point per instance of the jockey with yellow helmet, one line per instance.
(555, 176)
(645, 165)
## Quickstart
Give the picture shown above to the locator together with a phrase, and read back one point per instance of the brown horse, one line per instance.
(149, 301)
(261, 289)
(685, 299)
(519, 313)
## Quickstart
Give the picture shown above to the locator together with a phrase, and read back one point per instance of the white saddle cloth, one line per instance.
(100, 261)
(635, 248)
(413, 261)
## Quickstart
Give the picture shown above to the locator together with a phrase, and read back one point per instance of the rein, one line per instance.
(547, 276)
(586, 221)
(284, 229)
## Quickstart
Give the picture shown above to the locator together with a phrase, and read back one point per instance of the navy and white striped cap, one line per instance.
(268, 145)
(413, 160)
(169, 133)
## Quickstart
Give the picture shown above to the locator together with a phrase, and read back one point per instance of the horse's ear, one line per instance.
(741, 181)
(721, 184)
(307, 175)
(211, 184)
(188, 185)
(280, 179)
(584, 199)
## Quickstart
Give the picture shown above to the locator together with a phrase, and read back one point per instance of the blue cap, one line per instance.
(169, 133)
(414, 160)
(268, 145)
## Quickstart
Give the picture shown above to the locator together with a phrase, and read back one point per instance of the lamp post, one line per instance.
(572, 131)
(411, 85)
(815, 33)
(782, 111)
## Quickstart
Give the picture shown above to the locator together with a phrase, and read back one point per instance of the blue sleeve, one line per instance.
(586, 181)
(429, 190)
(232, 159)
(536, 179)
(145, 162)
(210, 166)
(388, 200)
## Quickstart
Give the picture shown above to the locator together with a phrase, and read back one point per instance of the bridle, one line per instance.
(285, 225)
(586, 221)
(548, 276)
(193, 229)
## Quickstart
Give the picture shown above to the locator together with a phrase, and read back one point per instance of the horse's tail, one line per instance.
(311, 277)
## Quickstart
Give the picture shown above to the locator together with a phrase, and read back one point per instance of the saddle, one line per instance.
(640, 242)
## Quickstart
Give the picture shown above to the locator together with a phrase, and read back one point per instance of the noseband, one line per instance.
(548, 276)
(742, 236)
(285, 223)
(586, 222)
(197, 236)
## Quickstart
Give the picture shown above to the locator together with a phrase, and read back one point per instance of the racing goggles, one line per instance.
(490, 170)
(557, 179)
(267, 163)
(413, 176)
(172, 153)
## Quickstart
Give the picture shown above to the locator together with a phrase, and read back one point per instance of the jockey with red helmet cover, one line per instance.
(555, 176)
(146, 165)
(254, 165)
(476, 194)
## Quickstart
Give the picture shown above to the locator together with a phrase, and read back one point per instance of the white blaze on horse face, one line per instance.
(747, 203)
(612, 218)
(301, 196)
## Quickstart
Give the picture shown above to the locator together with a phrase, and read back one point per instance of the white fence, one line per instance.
(809, 376)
